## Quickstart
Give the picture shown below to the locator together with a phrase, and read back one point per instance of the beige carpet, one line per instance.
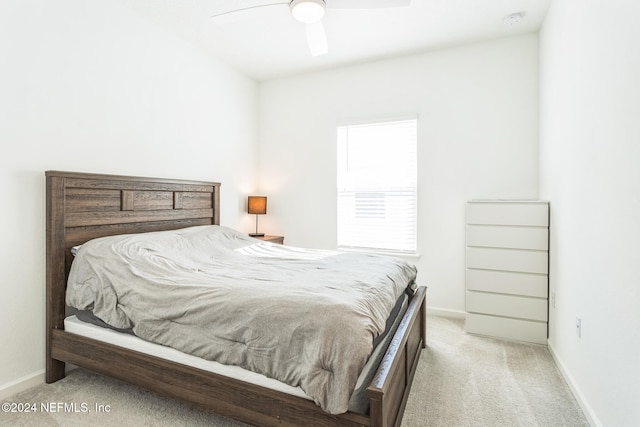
(462, 380)
(466, 380)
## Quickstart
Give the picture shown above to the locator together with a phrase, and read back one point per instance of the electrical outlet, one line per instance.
(579, 327)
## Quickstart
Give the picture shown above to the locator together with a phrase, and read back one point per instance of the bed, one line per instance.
(82, 207)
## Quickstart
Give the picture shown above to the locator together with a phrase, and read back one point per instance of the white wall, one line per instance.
(91, 86)
(478, 135)
(590, 170)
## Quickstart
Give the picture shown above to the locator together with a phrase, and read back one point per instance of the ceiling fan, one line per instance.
(308, 12)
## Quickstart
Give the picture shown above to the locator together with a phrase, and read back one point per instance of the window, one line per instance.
(377, 186)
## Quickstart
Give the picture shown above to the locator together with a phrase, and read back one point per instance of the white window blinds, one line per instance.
(377, 186)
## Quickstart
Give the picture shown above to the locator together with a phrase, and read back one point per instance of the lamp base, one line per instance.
(256, 234)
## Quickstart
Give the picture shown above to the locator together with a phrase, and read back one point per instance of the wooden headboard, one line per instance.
(82, 206)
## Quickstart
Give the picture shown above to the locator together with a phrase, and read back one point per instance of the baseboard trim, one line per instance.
(577, 393)
(445, 312)
(21, 384)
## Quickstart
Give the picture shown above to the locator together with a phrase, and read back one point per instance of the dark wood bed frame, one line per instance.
(84, 206)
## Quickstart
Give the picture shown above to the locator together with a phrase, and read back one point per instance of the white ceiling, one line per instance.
(268, 43)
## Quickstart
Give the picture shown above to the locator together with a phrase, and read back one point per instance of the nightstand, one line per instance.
(273, 239)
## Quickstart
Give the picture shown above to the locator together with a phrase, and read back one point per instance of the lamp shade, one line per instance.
(257, 205)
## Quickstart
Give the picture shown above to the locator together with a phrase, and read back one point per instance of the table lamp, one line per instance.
(257, 205)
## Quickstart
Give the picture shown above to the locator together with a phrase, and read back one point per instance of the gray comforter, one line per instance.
(304, 317)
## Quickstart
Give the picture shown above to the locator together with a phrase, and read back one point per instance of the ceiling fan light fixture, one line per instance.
(307, 11)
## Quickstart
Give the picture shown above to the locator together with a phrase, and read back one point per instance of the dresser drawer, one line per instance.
(499, 213)
(502, 327)
(508, 237)
(506, 282)
(525, 261)
(507, 305)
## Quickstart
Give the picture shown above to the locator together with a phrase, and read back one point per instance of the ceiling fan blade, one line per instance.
(234, 11)
(366, 4)
(316, 38)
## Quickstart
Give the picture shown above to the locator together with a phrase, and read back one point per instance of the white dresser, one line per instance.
(507, 286)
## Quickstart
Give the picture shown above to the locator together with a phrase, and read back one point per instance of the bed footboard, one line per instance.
(389, 390)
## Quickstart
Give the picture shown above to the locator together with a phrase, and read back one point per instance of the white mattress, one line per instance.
(74, 325)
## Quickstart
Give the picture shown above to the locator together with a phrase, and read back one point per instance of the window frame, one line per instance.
(411, 247)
